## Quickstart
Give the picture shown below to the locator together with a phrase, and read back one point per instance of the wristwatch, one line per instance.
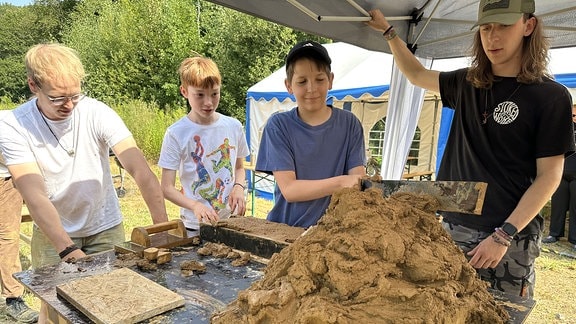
(509, 229)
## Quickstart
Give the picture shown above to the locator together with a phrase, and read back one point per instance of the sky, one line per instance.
(18, 2)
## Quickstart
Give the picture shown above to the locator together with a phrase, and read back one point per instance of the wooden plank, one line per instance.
(119, 296)
(453, 196)
(250, 234)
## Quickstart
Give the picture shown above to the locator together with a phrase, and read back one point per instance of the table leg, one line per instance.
(253, 192)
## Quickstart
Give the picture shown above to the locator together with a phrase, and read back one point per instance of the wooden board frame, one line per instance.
(119, 296)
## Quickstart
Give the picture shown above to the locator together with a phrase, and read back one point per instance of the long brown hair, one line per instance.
(534, 62)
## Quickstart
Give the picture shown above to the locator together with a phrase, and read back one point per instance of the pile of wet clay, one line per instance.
(370, 259)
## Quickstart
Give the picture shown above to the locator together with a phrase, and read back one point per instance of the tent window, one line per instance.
(414, 149)
(376, 140)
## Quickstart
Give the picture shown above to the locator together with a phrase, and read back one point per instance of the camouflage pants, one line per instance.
(515, 273)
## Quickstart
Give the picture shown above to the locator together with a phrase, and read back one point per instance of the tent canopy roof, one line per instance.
(443, 27)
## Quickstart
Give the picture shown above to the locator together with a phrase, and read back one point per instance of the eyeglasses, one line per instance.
(59, 101)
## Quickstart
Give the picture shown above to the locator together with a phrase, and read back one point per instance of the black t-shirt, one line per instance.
(523, 122)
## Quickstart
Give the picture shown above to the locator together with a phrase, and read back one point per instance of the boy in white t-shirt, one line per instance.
(206, 148)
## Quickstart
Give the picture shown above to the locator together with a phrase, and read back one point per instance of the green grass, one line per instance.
(148, 123)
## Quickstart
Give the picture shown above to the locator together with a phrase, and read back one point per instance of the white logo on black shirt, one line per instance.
(506, 112)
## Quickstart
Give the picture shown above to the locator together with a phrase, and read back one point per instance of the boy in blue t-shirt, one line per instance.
(314, 149)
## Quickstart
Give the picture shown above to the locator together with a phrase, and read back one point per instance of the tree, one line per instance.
(132, 49)
(21, 28)
(247, 49)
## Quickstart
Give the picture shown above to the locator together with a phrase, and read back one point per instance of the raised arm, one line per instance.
(408, 64)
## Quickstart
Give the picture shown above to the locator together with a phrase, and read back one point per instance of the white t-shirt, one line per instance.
(205, 157)
(79, 186)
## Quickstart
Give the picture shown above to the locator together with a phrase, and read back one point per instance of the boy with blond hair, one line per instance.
(205, 149)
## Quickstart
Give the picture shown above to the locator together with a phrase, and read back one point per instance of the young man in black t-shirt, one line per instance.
(511, 129)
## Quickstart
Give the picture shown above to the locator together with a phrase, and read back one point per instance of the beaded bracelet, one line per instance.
(390, 34)
(503, 234)
(239, 184)
(500, 241)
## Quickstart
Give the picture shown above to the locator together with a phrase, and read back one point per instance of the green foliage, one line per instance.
(132, 49)
(6, 104)
(258, 48)
(147, 122)
(15, 37)
(21, 28)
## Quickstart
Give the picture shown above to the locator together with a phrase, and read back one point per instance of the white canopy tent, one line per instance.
(436, 28)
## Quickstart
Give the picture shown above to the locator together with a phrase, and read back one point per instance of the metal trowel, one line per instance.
(453, 196)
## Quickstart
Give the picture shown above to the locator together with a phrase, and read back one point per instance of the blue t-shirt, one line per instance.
(313, 153)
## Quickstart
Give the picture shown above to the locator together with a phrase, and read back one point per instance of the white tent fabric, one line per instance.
(436, 28)
(403, 115)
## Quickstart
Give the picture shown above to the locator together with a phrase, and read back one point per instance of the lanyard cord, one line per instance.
(69, 151)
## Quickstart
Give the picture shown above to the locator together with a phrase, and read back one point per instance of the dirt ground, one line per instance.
(555, 283)
(404, 268)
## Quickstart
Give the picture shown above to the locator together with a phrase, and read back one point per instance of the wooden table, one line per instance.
(255, 177)
(204, 293)
(422, 175)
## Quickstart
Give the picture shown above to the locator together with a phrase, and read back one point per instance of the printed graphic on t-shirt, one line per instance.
(506, 112)
(224, 161)
(219, 162)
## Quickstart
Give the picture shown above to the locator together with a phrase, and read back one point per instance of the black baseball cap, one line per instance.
(308, 47)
